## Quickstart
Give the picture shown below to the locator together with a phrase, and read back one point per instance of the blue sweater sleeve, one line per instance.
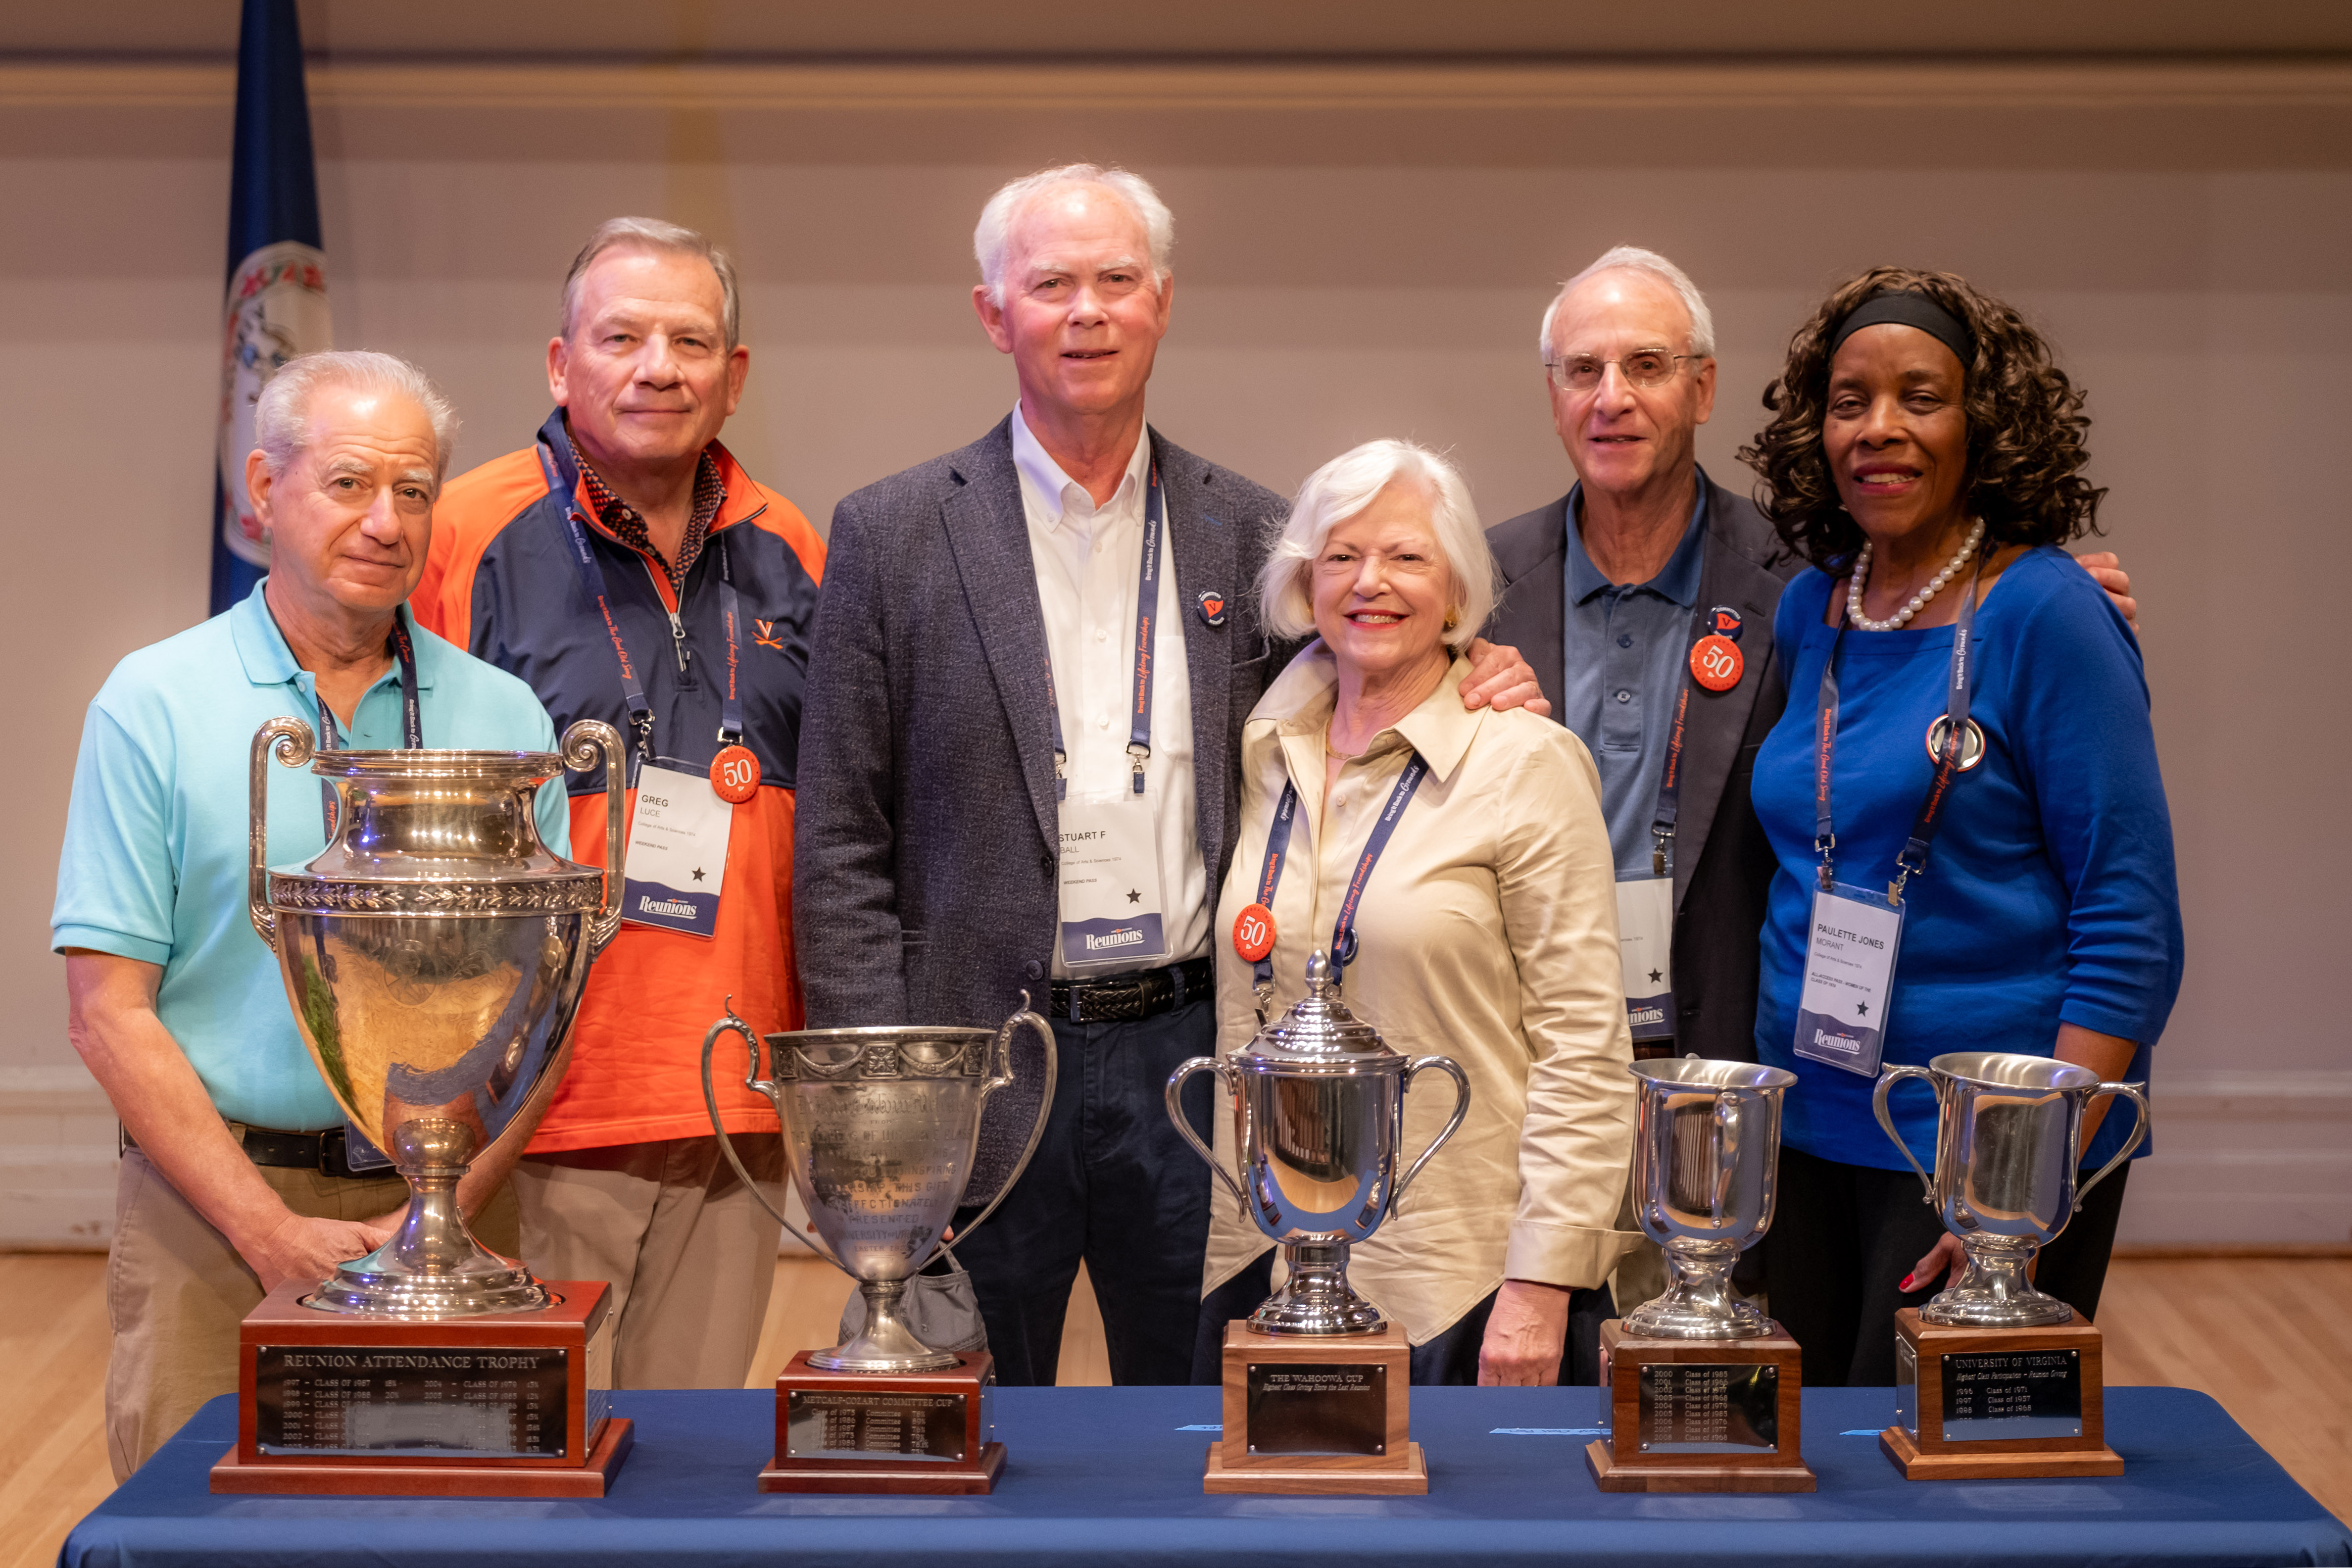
(2083, 735)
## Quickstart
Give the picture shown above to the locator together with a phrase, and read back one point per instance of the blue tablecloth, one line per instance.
(1104, 1475)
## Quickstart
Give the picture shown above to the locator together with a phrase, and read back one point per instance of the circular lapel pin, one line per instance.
(1724, 622)
(1212, 610)
(735, 774)
(1715, 663)
(1254, 932)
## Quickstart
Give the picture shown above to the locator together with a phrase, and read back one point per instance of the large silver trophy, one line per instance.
(882, 1129)
(434, 953)
(1707, 1150)
(1318, 1119)
(2006, 1131)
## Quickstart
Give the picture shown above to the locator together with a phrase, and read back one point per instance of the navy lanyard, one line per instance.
(1670, 782)
(403, 648)
(1913, 859)
(592, 582)
(1147, 615)
(1277, 848)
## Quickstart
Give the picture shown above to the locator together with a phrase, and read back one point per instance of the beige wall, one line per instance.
(1351, 263)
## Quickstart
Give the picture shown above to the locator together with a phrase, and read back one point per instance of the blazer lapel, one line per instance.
(988, 534)
(1725, 577)
(1202, 541)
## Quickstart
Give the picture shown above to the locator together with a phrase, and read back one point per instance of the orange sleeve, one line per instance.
(473, 508)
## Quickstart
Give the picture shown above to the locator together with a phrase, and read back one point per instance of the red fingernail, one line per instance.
(1907, 1283)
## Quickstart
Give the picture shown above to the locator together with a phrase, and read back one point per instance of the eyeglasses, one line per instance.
(1644, 367)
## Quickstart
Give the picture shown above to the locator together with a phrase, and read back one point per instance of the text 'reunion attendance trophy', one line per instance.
(434, 953)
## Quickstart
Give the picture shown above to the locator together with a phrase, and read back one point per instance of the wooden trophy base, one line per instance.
(1699, 1416)
(1998, 1403)
(869, 1432)
(502, 1405)
(1317, 1415)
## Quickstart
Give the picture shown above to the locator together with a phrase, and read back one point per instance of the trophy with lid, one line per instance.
(1316, 1382)
(1699, 1391)
(434, 953)
(1993, 1378)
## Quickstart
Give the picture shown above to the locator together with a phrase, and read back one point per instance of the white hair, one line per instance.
(1634, 258)
(1343, 488)
(652, 233)
(281, 415)
(994, 236)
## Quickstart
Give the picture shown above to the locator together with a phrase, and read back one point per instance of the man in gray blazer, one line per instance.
(1010, 779)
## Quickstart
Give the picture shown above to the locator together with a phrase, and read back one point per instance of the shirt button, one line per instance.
(1034, 970)
(1102, 723)
(1625, 640)
(1102, 636)
(1624, 696)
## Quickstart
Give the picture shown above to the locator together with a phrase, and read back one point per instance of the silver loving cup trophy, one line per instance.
(1318, 1115)
(434, 953)
(882, 1127)
(2007, 1129)
(1706, 1155)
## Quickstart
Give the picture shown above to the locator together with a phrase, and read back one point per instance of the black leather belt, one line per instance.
(321, 1152)
(1124, 998)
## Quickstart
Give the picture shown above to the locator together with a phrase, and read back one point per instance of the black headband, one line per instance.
(1903, 309)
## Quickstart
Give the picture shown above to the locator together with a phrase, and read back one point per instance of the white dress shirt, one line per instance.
(1088, 559)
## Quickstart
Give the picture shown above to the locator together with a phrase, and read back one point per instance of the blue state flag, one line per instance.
(276, 305)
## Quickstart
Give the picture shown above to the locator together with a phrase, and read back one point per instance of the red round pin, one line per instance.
(735, 774)
(1254, 932)
(1715, 662)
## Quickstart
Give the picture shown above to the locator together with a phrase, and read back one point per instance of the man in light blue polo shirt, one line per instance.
(235, 1174)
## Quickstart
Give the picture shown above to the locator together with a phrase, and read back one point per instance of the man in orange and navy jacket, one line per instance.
(610, 548)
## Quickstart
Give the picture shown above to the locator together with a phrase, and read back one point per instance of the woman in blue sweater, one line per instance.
(1925, 457)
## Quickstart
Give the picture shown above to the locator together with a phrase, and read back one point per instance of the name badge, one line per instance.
(677, 852)
(1111, 912)
(1849, 978)
(1645, 946)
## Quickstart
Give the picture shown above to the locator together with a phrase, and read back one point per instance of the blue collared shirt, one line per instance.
(154, 860)
(1626, 645)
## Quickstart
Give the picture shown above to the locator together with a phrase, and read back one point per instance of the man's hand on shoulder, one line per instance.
(2108, 573)
(1499, 678)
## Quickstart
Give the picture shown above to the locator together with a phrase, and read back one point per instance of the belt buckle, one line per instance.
(1078, 1001)
(334, 1151)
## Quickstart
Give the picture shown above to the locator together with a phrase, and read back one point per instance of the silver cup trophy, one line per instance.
(1318, 1119)
(882, 1129)
(2006, 1128)
(1707, 1150)
(434, 953)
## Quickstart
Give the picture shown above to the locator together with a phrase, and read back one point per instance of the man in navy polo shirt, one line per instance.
(234, 1173)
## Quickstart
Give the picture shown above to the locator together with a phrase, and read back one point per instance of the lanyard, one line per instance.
(1670, 782)
(1913, 859)
(562, 472)
(1147, 612)
(1278, 847)
(403, 648)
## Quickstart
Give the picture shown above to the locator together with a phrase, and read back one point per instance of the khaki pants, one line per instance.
(690, 1256)
(176, 1292)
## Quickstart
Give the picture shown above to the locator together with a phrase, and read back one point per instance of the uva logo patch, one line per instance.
(1722, 621)
(1213, 607)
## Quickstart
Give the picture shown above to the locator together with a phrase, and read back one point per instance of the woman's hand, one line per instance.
(1944, 1259)
(1524, 1334)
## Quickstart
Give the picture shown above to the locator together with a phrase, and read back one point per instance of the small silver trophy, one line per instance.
(1318, 1117)
(2007, 1130)
(881, 1131)
(1707, 1150)
(434, 953)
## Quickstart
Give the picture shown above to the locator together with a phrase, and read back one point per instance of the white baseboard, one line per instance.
(2242, 1159)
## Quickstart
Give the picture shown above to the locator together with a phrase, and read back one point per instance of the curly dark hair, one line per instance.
(2025, 425)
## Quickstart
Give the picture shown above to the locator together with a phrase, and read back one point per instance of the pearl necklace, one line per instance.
(1919, 600)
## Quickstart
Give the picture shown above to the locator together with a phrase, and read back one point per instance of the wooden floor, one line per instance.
(2270, 1337)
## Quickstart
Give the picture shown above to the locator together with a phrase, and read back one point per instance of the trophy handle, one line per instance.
(2130, 1091)
(1413, 1069)
(1185, 1069)
(1888, 1081)
(291, 740)
(1001, 1077)
(1730, 1122)
(586, 744)
(752, 1081)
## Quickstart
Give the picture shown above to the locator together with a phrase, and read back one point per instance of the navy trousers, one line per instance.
(1451, 1358)
(1112, 1185)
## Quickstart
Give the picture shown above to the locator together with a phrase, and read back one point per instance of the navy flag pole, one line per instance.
(276, 304)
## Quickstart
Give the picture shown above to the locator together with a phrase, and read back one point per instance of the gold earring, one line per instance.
(1453, 619)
